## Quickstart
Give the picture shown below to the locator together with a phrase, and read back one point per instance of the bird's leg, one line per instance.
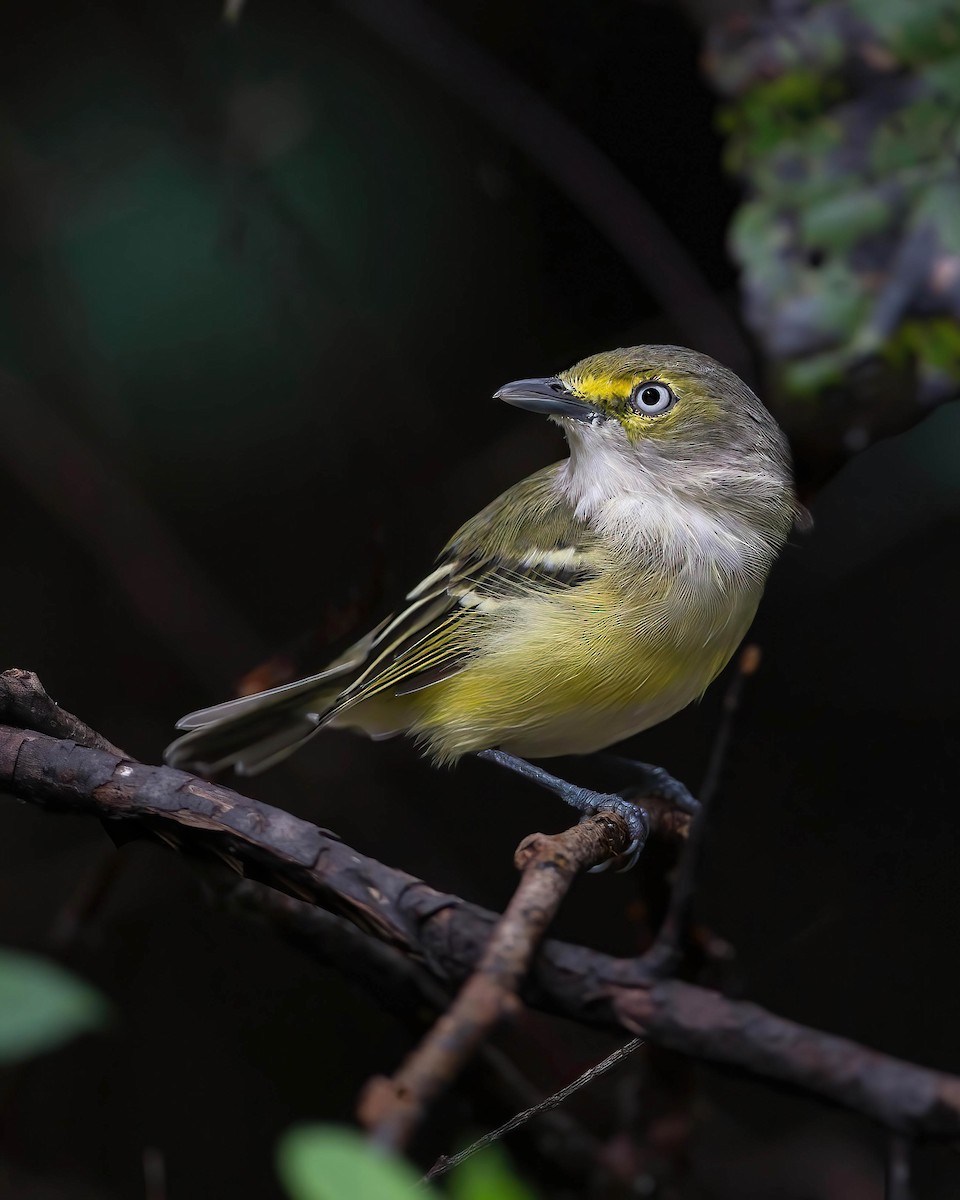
(584, 800)
(651, 780)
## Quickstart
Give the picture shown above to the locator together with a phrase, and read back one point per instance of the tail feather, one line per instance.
(232, 744)
(253, 733)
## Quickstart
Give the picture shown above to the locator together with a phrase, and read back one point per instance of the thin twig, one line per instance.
(747, 664)
(447, 1163)
(666, 951)
(393, 1108)
(404, 987)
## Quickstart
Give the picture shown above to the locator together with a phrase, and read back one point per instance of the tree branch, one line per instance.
(24, 702)
(393, 1108)
(402, 986)
(449, 935)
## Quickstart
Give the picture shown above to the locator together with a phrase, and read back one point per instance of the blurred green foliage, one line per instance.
(488, 1176)
(203, 251)
(326, 1162)
(42, 1006)
(843, 121)
(318, 1162)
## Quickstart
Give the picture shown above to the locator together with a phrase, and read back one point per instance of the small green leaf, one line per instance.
(935, 343)
(807, 376)
(488, 1176)
(328, 1162)
(915, 132)
(938, 208)
(42, 1006)
(914, 32)
(839, 221)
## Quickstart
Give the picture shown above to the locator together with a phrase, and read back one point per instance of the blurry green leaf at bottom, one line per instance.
(326, 1162)
(488, 1176)
(42, 1006)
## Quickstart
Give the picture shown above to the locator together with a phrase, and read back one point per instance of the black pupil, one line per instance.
(650, 396)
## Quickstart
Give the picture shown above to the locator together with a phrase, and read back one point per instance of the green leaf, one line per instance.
(934, 343)
(915, 132)
(42, 1006)
(938, 208)
(328, 1162)
(488, 1176)
(807, 376)
(839, 221)
(913, 31)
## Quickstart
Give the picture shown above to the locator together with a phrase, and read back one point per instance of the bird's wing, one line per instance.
(526, 541)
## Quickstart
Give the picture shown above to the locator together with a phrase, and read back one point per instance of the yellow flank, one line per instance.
(571, 675)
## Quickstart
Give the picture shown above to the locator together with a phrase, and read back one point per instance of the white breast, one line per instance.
(640, 500)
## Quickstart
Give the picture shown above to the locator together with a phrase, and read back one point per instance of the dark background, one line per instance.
(258, 284)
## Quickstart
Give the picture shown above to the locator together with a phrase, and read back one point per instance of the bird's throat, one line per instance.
(639, 499)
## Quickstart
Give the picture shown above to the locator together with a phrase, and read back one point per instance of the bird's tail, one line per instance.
(254, 732)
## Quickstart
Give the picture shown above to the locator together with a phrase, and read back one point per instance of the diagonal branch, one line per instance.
(402, 986)
(448, 934)
(392, 1108)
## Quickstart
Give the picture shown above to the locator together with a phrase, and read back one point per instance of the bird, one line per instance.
(590, 601)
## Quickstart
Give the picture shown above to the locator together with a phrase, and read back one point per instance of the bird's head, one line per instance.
(671, 413)
(666, 395)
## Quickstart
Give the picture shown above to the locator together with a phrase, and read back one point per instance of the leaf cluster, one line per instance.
(843, 121)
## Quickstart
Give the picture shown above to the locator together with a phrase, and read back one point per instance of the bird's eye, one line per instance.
(652, 399)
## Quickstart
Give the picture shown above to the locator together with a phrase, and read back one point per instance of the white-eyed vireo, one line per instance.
(588, 602)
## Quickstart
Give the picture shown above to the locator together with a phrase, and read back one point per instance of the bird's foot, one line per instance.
(585, 801)
(650, 780)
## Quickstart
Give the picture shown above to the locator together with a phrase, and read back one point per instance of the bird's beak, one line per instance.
(549, 396)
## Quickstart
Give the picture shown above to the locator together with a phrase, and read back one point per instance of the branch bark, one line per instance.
(449, 935)
(393, 1108)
